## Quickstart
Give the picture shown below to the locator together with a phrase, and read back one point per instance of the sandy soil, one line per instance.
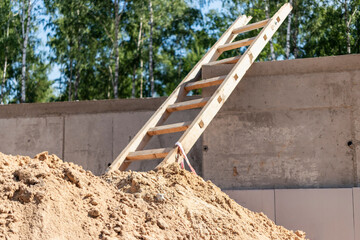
(46, 198)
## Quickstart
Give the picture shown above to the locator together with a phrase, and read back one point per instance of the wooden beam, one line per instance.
(234, 45)
(170, 128)
(148, 154)
(205, 83)
(224, 61)
(250, 27)
(180, 106)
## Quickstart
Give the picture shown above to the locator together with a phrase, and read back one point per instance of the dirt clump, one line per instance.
(46, 198)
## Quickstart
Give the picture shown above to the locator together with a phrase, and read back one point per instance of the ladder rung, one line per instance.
(171, 128)
(250, 27)
(197, 103)
(238, 44)
(148, 154)
(205, 83)
(224, 61)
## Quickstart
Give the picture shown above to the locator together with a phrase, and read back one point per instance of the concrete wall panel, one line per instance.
(321, 213)
(287, 126)
(279, 149)
(88, 141)
(255, 200)
(29, 136)
(8, 136)
(356, 126)
(274, 92)
(356, 203)
(268, 93)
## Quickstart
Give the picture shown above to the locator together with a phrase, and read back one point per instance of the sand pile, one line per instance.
(46, 198)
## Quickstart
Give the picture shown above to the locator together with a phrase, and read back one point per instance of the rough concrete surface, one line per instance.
(290, 123)
(321, 213)
(88, 141)
(80, 107)
(279, 150)
(255, 200)
(31, 135)
(356, 204)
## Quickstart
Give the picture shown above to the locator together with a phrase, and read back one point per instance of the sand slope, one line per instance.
(46, 198)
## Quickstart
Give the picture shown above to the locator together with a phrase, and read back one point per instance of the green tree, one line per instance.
(9, 42)
(21, 60)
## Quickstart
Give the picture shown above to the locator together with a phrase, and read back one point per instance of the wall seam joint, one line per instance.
(275, 220)
(353, 208)
(63, 141)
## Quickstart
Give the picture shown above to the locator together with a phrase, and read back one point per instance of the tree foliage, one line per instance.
(102, 47)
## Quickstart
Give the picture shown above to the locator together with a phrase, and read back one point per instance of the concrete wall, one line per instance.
(89, 133)
(330, 214)
(287, 125)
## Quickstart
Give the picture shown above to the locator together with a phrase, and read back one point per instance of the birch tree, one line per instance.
(25, 28)
(348, 20)
(272, 52)
(151, 72)
(288, 34)
(138, 57)
(116, 47)
(7, 5)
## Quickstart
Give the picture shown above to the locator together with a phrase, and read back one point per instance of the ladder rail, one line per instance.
(142, 138)
(208, 112)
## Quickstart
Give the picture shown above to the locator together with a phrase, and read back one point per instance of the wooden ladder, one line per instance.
(210, 106)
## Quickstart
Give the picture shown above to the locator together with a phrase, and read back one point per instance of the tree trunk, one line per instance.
(288, 32)
(62, 74)
(116, 49)
(138, 56)
(133, 92)
(24, 49)
(348, 20)
(76, 85)
(111, 80)
(151, 73)
(5, 62)
(267, 9)
(4, 80)
(295, 33)
(141, 78)
(347, 23)
(70, 78)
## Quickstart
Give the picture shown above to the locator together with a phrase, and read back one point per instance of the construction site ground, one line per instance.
(46, 198)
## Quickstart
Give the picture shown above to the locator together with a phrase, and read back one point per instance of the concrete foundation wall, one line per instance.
(90, 133)
(330, 214)
(288, 124)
